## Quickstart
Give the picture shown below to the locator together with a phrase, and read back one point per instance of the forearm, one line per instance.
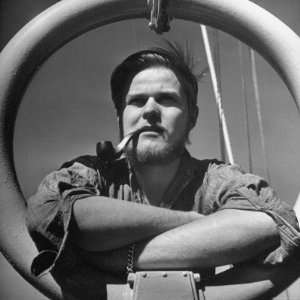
(105, 224)
(226, 237)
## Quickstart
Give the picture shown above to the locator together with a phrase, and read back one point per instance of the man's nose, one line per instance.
(151, 111)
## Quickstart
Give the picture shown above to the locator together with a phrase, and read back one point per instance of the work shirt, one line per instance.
(204, 186)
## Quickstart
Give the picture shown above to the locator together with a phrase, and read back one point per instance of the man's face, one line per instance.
(155, 101)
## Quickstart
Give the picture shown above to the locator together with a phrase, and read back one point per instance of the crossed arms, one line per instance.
(169, 239)
(183, 240)
(165, 239)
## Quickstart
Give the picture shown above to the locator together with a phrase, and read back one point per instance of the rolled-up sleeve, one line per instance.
(228, 187)
(49, 215)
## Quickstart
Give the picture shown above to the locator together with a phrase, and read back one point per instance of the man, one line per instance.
(179, 212)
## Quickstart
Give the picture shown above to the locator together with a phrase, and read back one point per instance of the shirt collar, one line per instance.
(187, 170)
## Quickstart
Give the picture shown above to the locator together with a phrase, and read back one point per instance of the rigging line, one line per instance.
(217, 95)
(246, 110)
(259, 112)
(218, 72)
(217, 58)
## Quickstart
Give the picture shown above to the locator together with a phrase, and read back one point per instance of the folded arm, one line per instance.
(163, 236)
(189, 246)
(106, 223)
(169, 239)
(243, 218)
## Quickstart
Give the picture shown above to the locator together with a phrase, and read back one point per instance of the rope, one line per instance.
(246, 111)
(259, 113)
(218, 72)
(217, 95)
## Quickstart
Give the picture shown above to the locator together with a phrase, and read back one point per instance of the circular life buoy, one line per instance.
(66, 20)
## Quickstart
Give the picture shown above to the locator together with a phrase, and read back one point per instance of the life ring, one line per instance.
(64, 21)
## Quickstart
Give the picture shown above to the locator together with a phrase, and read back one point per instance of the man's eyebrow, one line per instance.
(162, 93)
(130, 95)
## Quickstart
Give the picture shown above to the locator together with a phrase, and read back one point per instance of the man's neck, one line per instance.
(154, 180)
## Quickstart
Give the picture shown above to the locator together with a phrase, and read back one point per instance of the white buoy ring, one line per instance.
(64, 21)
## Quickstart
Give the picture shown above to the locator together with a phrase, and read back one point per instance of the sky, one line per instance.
(67, 108)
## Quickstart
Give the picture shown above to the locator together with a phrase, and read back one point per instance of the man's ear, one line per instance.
(193, 117)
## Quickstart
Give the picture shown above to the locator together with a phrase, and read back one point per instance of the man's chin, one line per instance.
(154, 155)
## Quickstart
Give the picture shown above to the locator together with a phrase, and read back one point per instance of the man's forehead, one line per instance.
(154, 79)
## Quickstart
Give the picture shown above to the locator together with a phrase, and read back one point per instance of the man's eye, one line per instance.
(137, 101)
(167, 100)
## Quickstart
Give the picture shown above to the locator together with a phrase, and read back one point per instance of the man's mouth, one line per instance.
(122, 145)
(156, 129)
